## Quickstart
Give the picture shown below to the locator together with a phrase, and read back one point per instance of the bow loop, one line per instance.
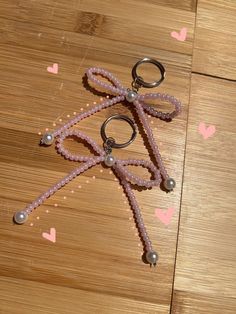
(132, 178)
(115, 87)
(80, 135)
(164, 97)
(120, 164)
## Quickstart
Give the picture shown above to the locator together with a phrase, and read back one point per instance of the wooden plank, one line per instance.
(183, 5)
(215, 38)
(202, 303)
(150, 25)
(206, 259)
(22, 296)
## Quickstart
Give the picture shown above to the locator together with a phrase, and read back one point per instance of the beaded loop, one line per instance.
(135, 179)
(115, 87)
(77, 134)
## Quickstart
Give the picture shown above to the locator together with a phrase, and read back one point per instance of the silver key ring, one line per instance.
(113, 143)
(138, 80)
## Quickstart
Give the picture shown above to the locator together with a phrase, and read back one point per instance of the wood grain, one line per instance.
(53, 299)
(215, 24)
(206, 260)
(127, 22)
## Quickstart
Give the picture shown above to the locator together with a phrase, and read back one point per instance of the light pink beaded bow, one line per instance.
(140, 103)
(119, 167)
(125, 176)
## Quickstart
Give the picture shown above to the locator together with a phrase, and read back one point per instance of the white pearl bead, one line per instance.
(47, 139)
(169, 184)
(131, 96)
(20, 217)
(152, 257)
(109, 160)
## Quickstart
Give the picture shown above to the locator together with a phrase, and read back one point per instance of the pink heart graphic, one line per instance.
(53, 69)
(165, 217)
(204, 131)
(181, 36)
(50, 236)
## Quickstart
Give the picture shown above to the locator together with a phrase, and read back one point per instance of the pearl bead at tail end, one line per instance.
(152, 257)
(47, 139)
(20, 217)
(169, 184)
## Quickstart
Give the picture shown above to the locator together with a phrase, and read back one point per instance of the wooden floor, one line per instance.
(95, 264)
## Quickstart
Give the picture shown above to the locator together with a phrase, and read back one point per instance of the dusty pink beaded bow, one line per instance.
(118, 166)
(125, 176)
(139, 102)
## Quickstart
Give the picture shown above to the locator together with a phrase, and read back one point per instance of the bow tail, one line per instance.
(69, 177)
(150, 138)
(136, 209)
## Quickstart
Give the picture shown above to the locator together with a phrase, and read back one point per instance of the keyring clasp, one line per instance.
(138, 80)
(111, 141)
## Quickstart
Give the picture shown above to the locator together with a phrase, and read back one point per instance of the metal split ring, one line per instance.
(138, 80)
(112, 142)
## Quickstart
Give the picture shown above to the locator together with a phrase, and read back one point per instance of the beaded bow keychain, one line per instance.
(104, 155)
